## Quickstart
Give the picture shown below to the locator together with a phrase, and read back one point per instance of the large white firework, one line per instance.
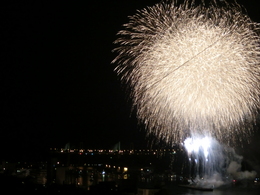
(191, 69)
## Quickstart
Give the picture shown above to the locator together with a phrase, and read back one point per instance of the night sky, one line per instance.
(57, 80)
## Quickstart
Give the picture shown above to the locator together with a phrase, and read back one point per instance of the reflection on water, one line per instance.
(173, 188)
(102, 180)
(227, 191)
(176, 190)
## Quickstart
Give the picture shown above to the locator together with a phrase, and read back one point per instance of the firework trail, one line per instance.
(191, 69)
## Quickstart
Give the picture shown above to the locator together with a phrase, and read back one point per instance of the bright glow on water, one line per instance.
(206, 158)
(194, 145)
(212, 163)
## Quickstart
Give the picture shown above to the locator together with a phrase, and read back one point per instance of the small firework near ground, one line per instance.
(192, 68)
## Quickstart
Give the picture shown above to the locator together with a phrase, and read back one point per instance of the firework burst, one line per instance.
(191, 69)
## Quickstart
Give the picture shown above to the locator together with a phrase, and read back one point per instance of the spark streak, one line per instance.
(191, 69)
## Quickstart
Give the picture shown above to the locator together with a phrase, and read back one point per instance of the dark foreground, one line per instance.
(12, 185)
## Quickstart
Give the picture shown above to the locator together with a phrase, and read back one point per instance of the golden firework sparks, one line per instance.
(191, 69)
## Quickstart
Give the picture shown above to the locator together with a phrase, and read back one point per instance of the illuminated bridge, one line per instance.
(158, 152)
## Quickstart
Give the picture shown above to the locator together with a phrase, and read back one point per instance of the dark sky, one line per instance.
(57, 83)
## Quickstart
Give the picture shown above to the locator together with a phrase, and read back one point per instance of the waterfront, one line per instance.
(119, 172)
(230, 190)
(138, 186)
